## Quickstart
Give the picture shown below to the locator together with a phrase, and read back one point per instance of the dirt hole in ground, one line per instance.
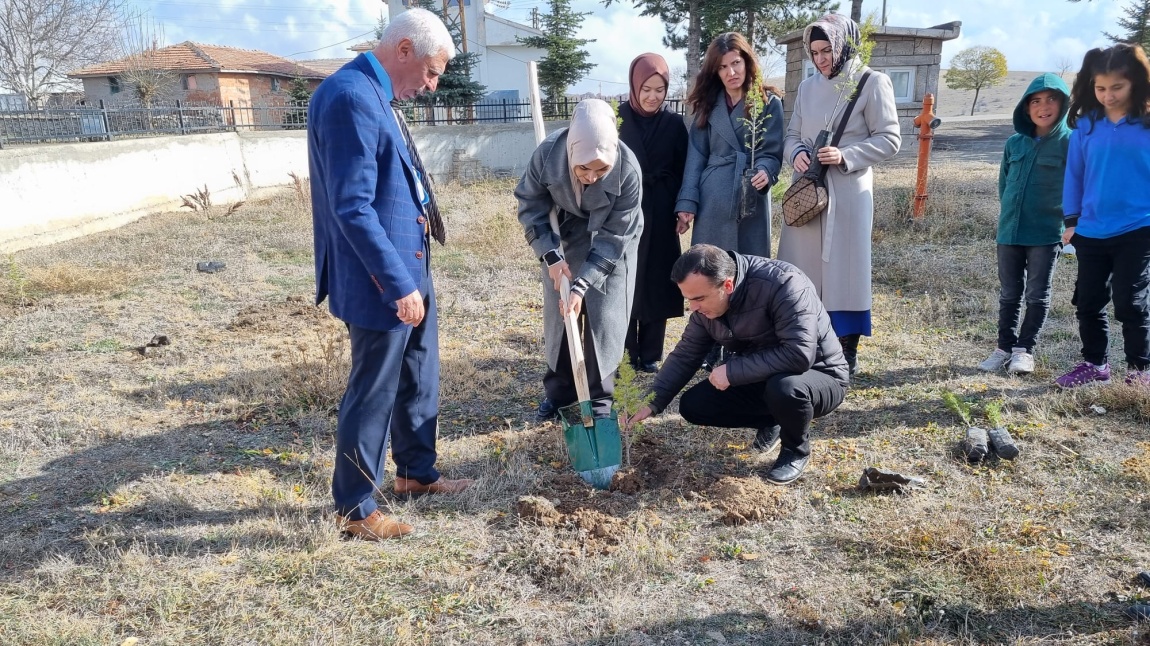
(279, 316)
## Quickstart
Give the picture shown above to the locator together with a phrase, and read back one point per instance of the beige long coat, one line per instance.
(834, 250)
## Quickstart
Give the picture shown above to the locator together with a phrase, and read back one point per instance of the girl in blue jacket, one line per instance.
(1106, 198)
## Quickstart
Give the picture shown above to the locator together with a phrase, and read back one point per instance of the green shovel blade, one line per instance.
(595, 451)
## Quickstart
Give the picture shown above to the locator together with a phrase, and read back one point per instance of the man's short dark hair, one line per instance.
(706, 260)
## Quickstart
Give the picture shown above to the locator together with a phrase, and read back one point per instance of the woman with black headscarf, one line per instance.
(658, 137)
(834, 249)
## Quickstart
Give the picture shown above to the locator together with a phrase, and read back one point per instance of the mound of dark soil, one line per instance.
(279, 316)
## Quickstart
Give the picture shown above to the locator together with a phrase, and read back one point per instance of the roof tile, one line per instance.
(197, 57)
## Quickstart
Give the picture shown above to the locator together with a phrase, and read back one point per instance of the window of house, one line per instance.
(113, 85)
(275, 84)
(188, 81)
(902, 78)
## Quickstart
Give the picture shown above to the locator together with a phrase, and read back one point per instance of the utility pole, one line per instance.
(535, 17)
(463, 25)
(884, 13)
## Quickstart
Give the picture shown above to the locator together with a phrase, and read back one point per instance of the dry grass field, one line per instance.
(998, 99)
(178, 494)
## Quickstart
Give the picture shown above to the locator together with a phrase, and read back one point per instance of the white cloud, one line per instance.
(1032, 34)
(620, 36)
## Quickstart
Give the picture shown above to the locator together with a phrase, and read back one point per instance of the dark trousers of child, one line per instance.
(1118, 266)
(1024, 273)
(644, 340)
(789, 400)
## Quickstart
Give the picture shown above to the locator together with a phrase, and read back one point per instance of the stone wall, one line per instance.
(895, 47)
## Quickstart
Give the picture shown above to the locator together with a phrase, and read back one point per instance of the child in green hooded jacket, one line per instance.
(1030, 220)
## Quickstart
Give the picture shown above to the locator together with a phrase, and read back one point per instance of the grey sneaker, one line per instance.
(1021, 362)
(974, 444)
(995, 361)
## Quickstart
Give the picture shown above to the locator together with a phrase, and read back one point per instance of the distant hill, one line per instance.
(1000, 99)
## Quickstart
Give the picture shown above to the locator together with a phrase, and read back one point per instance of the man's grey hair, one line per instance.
(427, 33)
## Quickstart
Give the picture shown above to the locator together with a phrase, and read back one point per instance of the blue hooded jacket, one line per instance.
(1032, 171)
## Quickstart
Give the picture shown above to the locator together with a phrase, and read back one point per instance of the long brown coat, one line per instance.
(834, 250)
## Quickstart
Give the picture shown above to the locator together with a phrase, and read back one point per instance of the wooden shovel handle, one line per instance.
(575, 345)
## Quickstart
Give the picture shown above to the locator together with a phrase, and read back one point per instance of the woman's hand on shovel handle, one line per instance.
(640, 415)
(573, 303)
(557, 272)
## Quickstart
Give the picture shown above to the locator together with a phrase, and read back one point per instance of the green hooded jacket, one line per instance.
(1031, 174)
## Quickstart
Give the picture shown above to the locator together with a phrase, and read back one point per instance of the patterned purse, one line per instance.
(807, 197)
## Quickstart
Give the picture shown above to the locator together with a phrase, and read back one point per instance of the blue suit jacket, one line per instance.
(370, 242)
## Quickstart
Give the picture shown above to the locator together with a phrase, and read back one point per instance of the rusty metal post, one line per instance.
(926, 122)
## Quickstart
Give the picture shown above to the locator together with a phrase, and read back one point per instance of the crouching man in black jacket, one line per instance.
(786, 366)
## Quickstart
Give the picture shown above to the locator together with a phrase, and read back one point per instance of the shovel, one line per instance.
(593, 445)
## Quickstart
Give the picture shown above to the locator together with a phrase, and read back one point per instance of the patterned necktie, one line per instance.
(431, 208)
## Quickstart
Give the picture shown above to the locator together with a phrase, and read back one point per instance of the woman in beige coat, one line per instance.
(834, 249)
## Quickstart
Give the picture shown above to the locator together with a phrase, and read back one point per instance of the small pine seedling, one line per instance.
(958, 406)
(629, 398)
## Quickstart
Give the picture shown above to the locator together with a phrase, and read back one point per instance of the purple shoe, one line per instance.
(1138, 378)
(1084, 373)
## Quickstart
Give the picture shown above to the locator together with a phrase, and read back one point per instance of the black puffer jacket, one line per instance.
(775, 324)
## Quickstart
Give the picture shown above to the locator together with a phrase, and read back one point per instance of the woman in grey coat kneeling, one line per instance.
(724, 144)
(594, 184)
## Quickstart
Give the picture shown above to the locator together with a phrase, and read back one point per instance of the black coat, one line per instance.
(775, 324)
(660, 144)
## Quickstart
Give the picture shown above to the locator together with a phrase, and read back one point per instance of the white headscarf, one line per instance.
(591, 137)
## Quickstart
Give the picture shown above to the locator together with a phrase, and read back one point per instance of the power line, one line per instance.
(216, 5)
(333, 44)
(309, 27)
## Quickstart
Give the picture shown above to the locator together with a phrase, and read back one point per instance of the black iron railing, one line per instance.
(104, 122)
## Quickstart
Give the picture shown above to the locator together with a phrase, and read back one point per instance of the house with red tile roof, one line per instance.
(203, 73)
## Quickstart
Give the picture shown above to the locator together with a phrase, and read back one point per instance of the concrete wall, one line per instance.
(54, 192)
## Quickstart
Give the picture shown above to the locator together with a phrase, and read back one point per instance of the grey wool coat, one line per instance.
(716, 158)
(834, 249)
(600, 243)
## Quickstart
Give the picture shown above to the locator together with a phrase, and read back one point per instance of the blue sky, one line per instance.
(1033, 34)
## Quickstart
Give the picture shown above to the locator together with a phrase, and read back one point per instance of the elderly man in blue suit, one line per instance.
(374, 215)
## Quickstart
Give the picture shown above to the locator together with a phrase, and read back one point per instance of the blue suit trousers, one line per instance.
(392, 393)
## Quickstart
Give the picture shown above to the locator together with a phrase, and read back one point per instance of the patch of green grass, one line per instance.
(102, 346)
(287, 256)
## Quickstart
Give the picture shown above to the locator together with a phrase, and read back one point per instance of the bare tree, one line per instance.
(679, 82)
(1064, 64)
(143, 75)
(42, 40)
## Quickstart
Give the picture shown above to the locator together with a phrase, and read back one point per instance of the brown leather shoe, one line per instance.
(409, 487)
(375, 527)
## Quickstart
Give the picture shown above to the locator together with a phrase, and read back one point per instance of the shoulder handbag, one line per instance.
(807, 197)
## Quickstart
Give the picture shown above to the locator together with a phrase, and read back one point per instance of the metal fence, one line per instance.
(501, 111)
(105, 123)
(108, 122)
